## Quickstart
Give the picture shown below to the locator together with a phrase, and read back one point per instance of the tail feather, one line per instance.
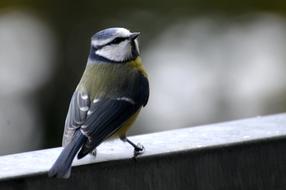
(62, 166)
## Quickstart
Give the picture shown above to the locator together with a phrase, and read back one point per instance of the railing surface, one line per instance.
(244, 154)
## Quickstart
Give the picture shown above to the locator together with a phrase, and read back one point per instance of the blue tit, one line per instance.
(112, 90)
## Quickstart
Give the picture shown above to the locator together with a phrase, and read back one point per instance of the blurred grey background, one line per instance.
(208, 61)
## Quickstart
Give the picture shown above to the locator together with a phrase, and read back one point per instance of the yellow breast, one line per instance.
(137, 64)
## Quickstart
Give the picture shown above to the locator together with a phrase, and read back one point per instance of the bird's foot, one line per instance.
(138, 149)
(94, 152)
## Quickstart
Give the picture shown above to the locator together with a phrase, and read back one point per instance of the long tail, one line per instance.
(62, 166)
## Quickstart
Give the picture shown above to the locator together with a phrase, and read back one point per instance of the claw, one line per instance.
(139, 149)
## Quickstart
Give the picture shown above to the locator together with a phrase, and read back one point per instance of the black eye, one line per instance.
(118, 40)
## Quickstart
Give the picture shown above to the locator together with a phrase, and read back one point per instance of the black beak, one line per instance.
(134, 35)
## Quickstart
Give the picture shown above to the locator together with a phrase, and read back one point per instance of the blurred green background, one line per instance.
(208, 61)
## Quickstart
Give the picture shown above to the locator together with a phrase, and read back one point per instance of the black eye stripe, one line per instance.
(117, 40)
(114, 41)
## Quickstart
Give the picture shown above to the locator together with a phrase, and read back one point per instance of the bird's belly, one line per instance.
(125, 126)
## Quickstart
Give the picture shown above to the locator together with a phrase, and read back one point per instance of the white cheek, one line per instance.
(137, 46)
(118, 52)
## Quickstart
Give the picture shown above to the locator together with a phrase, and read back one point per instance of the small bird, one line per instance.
(113, 89)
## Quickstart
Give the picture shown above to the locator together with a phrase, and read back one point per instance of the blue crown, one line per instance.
(105, 34)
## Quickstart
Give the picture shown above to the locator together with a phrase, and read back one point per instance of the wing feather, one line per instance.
(77, 113)
(107, 117)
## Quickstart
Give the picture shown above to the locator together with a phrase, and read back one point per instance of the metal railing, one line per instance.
(244, 154)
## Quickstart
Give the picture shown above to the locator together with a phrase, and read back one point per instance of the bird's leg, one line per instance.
(138, 149)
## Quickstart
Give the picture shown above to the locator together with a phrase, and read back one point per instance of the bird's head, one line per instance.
(117, 45)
